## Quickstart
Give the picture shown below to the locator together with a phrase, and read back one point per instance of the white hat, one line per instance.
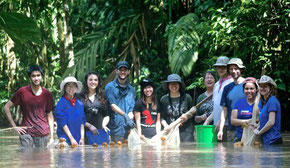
(71, 79)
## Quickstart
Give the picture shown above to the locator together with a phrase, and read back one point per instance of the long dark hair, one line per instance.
(154, 99)
(99, 89)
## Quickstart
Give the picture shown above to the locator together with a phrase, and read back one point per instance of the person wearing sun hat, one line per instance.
(224, 80)
(231, 94)
(270, 113)
(69, 113)
(174, 105)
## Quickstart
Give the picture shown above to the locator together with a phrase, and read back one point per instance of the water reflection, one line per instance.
(187, 155)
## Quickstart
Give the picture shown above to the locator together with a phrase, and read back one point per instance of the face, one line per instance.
(235, 71)
(92, 81)
(250, 90)
(148, 90)
(209, 80)
(265, 89)
(123, 73)
(222, 71)
(173, 87)
(70, 89)
(36, 78)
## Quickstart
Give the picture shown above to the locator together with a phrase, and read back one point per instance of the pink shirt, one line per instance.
(34, 109)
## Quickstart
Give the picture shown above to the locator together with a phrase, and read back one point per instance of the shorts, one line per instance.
(27, 141)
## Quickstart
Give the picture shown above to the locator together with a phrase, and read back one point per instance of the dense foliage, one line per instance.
(156, 36)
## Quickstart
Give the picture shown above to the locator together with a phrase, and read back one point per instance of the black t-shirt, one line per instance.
(148, 118)
(178, 106)
(94, 111)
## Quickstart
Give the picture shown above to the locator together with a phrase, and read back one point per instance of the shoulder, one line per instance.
(273, 99)
(46, 91)
(110, 84)
(132, 89)
(187, 96)
(164, 98)
(24, 89)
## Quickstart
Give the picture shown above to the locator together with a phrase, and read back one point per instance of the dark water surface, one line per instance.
(187, 155)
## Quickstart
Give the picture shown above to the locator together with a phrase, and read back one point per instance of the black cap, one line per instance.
(147, 82)
(123, 64)
(34, 68)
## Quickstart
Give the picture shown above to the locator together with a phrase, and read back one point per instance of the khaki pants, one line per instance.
(27, 141)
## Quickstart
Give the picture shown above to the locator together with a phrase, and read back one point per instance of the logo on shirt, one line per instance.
(148, 120)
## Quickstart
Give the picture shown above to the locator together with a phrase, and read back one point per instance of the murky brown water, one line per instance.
(187, 155)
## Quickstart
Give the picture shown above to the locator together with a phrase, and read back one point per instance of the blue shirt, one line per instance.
(245, 111)
(124, 98)
(231, 94)
(72, 116)
(273, 133)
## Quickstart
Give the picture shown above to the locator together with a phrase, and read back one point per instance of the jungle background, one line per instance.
(157, 37)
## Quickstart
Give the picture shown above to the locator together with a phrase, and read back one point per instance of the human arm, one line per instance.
(81, 142)
(268, 125)
(235, 121)
(50, 120)
(224, 114)
(69, 135)
(158, 124)
(138, 122)
(7, 107)
(105, 123)
(209, 119)
(118, 110)
(92, 128)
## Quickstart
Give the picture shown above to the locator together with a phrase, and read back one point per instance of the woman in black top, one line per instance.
(94, 102)
(147, 115)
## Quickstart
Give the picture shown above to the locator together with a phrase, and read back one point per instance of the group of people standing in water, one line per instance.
(86, 110)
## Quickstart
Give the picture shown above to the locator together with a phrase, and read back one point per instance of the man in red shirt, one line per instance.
(36, 105)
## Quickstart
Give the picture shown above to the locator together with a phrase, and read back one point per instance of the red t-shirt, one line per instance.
(34, 109)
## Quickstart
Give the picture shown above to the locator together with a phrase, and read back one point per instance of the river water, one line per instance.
(186, 155)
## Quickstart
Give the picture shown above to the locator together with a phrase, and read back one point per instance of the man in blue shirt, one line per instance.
(121, 99)
(231, 94)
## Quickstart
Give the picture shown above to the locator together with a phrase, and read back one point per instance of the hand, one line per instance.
(142, 137)
(184, 118)
(128, 121)
(131, 115)
(94, 130)
(197, 119)
(20, 130)
(106, 129)
(256, 131)
(81, 142)
(203, 117)
(167, 128)
(50, 141)
(73, 142)
(220, 135)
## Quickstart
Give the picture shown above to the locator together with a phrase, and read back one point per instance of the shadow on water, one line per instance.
(187, 155)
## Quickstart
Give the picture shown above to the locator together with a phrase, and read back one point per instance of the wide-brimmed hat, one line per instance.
(173, 78)
(250, 80)
(147, 82)
(236, 61)
(123, 64)
(221, 61)
(267, 79)
(71, 79)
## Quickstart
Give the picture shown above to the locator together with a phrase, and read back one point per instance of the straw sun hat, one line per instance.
(71, 79)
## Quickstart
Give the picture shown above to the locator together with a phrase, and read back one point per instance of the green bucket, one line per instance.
(205, 133)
